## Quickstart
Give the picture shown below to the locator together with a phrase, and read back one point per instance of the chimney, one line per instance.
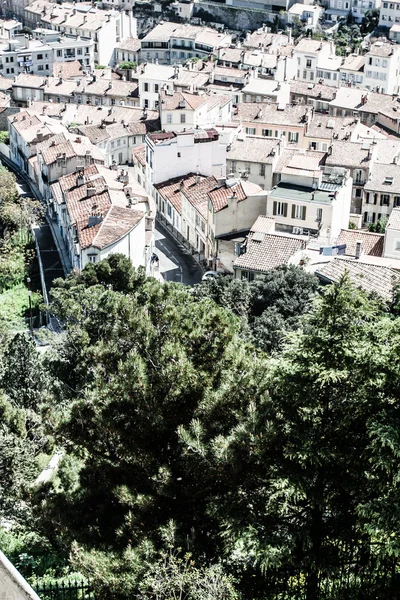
(181, 185)
(90, 190)
(80, 180)
(358, 249)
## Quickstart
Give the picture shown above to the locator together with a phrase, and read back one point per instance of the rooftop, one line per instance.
(239, 191)
(189, 185)
(253, 149)
(379, 280)
(372, 243)
(302, 194)
(349, 154)
(266, 251)
(309, 45)
(272, 113)
(394, 220)
(384, 178)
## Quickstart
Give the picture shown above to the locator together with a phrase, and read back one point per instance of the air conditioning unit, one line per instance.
(297, 231)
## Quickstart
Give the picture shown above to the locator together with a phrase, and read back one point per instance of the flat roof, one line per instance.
(301, 194)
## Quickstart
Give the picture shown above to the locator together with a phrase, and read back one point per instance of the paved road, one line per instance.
(176, 262)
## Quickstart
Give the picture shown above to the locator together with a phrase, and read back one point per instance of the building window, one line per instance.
(385, 199)
(304, 74)
(279, 209)
(267, 132)
(146, 87)
(92, 258)
(59, 53)
(397, 245)
(156, 88)
(308, 63)
(262, 170)
(40, 68)
(183, 118)
(396, 201)
(40, 56)
(251, 130)
(298, 212)
(169, 118)
(293, 137)
(79, 50)
(319, 215)
(178, 154)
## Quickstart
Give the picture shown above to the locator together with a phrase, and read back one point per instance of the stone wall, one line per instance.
(233, 17)
(4, 113)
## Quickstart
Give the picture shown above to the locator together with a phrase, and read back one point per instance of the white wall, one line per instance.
(131, 245)
(184, 156)
(12, 585)
(240, 215)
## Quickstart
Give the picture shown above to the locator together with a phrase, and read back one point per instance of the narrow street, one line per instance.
(176, 262)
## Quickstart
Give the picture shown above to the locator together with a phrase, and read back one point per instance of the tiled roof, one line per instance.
(353, 62)
(317, 90)
(382, 49)
(129, 44)
(263, 112)
(171, 189)
(196, 193)
(188, 101)
(240, 190)
(263, 38)
(253, 149)
(394, 219)
(328, 127)
(288, 154)
(372, 243)
(67, 69)
(117, 223)
(268, 251)
(140, 154)
(348, 154)
(309, 45)
(263, 224)
(370, 278)
(31, 81)
(384, 178)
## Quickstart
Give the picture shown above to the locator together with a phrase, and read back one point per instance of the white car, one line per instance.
(210, 275)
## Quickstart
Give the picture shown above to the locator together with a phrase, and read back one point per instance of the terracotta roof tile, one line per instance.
(372, 243)
(267, 251)
(370, 278)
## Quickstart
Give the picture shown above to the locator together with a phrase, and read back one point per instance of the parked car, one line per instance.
(210, 275)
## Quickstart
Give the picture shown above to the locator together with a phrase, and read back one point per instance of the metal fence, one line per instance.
(65, 590)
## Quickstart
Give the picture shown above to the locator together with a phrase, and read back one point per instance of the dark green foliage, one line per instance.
(272, 304)
(196, 464)
(379, 226)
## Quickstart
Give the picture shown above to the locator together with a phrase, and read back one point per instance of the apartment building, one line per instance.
(96, 220)
(174, 154)
(253, 159)
(61, 155)
(9, 28)
(311, 55)
(127, 51)
(382, 65)
(39, 55)
(274, 120)
(27, 130)
(389, 13)
(170, 43)
(310, 199)
(179, 110)
(152, 78)
(381, 191)
(106, 28)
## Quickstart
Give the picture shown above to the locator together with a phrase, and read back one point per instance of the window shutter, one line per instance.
(293, 211)
(373, 217)
(303, 213)
(381, 200)
(375, 198)
(274, 209)
(285, 210)
(365, 217)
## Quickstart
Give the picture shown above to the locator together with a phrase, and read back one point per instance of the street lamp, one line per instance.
(28, 280)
